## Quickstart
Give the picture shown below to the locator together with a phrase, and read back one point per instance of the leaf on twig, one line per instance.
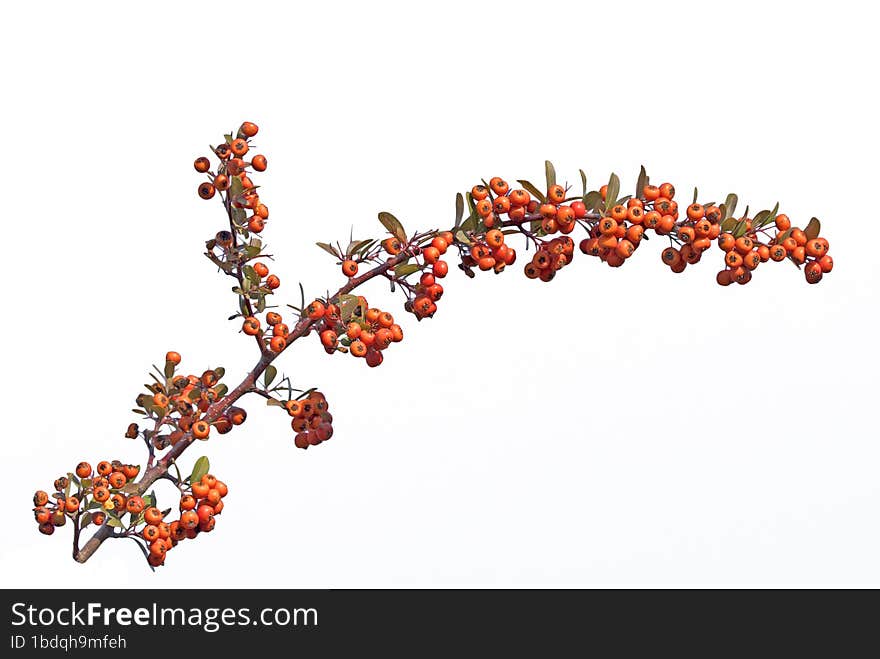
(393, 225)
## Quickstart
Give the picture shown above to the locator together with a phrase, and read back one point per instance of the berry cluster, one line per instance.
(489, 252)
(232, 176)
(742, 255)
(553, 255)
(179, 404)
(86, 497)
(200, 502)
(277, 340)
(312, 421)
(362, 330)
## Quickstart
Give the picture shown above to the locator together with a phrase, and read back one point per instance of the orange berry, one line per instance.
(251, 326)
(239, 146)
(315, 310)
(153, 515)
(556, 194)
(249, 129)
(499, 186)
(201, 429)
(206, 190)
(349, 268)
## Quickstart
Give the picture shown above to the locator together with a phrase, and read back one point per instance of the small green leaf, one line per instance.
(85, 519)
(641, 182)
(813, 228)
(269, 375)
(393, 225)
(330, 250)
(168, 370)
(461, 237)
(113, 520)
(612, 192)
(696, 194)
(251, 274)
(730, 205)
(239, 216)
(550, 173)
(235, 187)
(593, 201)
(347, 305)
(459, 208)
(537, 194)
(363, 247)
(200, 468)
(583, 181)
(221, 390)
(470, 224)
(405, 269)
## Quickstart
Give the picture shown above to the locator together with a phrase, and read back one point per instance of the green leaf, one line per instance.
(393, 225)
(113, 520)
(813, 228)
(730, 205)
(537, 194)
(550, 173)
(347, 305)
(85, 519)
(168, 370)
(470, 224)
(740, 229)
(696, 194)
(405, 269)
(593, 201)
(612, 192)
(459, 208)
(251, 274)
(269, 375)
(330, 250)
(461, 237)
(221, 390)
(583, 181)
(200, 468)
(765, 217)
(235, 187)
(364, 246)
(641, 182)
(150, 499)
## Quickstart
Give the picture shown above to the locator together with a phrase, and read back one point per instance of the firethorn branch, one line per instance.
(117, 499)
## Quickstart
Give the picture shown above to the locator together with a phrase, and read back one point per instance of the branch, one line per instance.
(158, 470)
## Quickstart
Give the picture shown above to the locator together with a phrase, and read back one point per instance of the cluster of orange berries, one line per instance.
(181, 404)
(232, 176)
(489, 253)
(86, 496)
(366, 334)
(554, 255)
(312, 421)
(742, 255)
(199, 504)
(428, 291)
(277, 340)
(498, 199)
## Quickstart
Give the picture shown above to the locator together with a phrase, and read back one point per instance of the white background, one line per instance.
(616, 427)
